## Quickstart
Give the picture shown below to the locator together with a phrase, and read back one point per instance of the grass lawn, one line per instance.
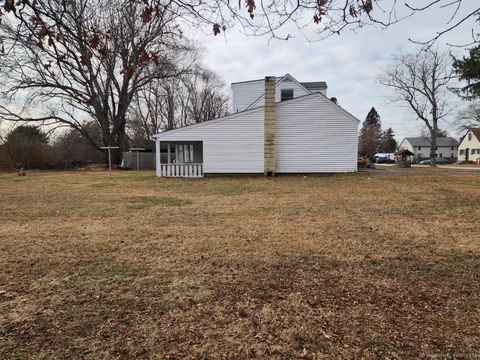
(345, 266)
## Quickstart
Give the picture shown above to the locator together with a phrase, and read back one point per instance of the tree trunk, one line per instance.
(433, 142)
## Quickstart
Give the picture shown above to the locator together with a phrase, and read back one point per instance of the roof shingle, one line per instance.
(476, 132)
(425, 142)
(315, 85)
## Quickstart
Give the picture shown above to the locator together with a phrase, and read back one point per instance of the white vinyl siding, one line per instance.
(313, 135)
(297, 90)
(233, 144)
(250, 94)
(290, 85)
(244, 94)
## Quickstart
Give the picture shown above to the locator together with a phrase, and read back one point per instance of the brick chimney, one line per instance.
(269, 127)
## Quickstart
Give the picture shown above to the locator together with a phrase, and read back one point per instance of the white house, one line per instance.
(279, 125)
(447, 147)
(469, 148)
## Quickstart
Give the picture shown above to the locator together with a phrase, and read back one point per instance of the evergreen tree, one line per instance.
(468, 69)
(372, 117)
(28, 146)
(29, 132)
(389, 144)
(370, 139)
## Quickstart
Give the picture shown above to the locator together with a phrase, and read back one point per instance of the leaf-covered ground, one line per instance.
(341, 266)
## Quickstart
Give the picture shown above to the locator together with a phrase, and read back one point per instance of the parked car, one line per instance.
(438, 161)
(383, 160)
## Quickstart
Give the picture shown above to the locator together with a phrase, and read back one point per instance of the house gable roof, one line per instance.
(277, 78)
(259, 108)
(425, 142)
(476, 132)
(286, 77)
(208, 122)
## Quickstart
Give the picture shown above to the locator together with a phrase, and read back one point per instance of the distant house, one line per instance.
(447, 147)
(278, 125)
(469, 148)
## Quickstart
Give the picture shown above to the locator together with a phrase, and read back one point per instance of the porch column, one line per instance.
(169, 160)
(157, 158)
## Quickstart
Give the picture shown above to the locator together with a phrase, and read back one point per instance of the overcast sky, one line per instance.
(348, 63)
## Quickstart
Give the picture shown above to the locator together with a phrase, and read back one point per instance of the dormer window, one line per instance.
(286, 94)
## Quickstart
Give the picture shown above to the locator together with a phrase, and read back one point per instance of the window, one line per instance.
(462, 152)
(451, 155)
(185, 153)
(419, 148)
(469, 136)
(472, 151)
(286, 94)
(452, 149)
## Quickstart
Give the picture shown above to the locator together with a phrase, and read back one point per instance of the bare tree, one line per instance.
(331, 17)
(207, 98)
(73, 61)
(167, 104)
(420, 80)
(6, 155)
(470, 116)
(71, 146)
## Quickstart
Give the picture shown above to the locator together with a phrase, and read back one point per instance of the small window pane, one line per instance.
(286, 94)
(180, 154)
(187, 153)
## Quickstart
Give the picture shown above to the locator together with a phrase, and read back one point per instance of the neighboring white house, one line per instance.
(447, 147)
(304, 133)
(469, 148)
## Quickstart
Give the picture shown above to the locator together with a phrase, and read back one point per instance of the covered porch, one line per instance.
(180, 158)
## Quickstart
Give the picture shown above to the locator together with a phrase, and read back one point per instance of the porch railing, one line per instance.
(182, 170)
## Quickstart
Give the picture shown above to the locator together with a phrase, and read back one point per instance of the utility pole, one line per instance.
(137, 150)
(109, 157)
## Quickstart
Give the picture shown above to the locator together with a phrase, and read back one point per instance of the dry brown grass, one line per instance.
(346, 266)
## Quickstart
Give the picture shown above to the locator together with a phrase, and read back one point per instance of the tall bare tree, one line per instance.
(207, 97)
(167, 104)
(419, 80)
(72, 61)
